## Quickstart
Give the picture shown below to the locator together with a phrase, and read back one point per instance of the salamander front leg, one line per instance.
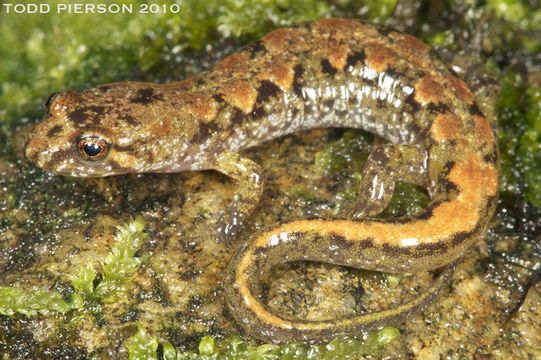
(386, 165)
(250, 179)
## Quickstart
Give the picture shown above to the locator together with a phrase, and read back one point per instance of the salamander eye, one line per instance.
(92, 148)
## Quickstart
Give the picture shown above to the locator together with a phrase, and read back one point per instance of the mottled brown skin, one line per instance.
(327, 73)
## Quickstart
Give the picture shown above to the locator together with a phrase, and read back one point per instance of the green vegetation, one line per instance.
(518, 21)
(118, 269)
(141, 346)
(245, 17)
(379, 10)
(520, 141)
(350, 151)
(408, 199)
(14, 300)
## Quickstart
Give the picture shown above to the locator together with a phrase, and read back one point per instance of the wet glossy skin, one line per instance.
(328, 73)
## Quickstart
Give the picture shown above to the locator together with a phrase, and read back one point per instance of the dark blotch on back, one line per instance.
(437, 108)
(329, 103)
(255, 48)
(237, 118)
(449, 165)
(327, 68)
(411, 105)
(145, 96)
(449, 187)
(419, 251)
(356, 57)
(384, 31)
(443, 177)
(406, 77)
(218, 98)
(266, 90)
(474, 110)
(98, 110)
(206, 129)
(297, 73)
(459, 237)
(492, 157)
(259, 112)
(395, 251)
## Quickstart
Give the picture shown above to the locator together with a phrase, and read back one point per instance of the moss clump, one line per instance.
(235, 348)
(241, 17)
(142, 347)
(349, 152)
(518, 20)
(118, 267)
(408, 199)
(520, 140)
(14, 300)
(206, 345)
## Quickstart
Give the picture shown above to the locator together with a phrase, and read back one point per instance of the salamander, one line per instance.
(326, 73)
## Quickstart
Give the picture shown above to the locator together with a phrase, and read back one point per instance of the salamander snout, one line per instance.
(30, 149)
(45, 150)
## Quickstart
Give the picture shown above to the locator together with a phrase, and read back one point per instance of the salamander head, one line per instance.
(113, 129)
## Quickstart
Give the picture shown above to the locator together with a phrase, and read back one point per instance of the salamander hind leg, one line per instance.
(250, 179)
(386, 165)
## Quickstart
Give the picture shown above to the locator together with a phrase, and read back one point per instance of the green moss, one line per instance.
(83, 282)
(169, 352)
(142, 347)
(520, 139)
(378, 10)
(29, 303)
(444, 39)
(235, 348)
(393, 279)
(408, 199)
(350, 151)
(241, 17)
(206, 346)
(516, 22)
(518, 12)
(118, 268)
